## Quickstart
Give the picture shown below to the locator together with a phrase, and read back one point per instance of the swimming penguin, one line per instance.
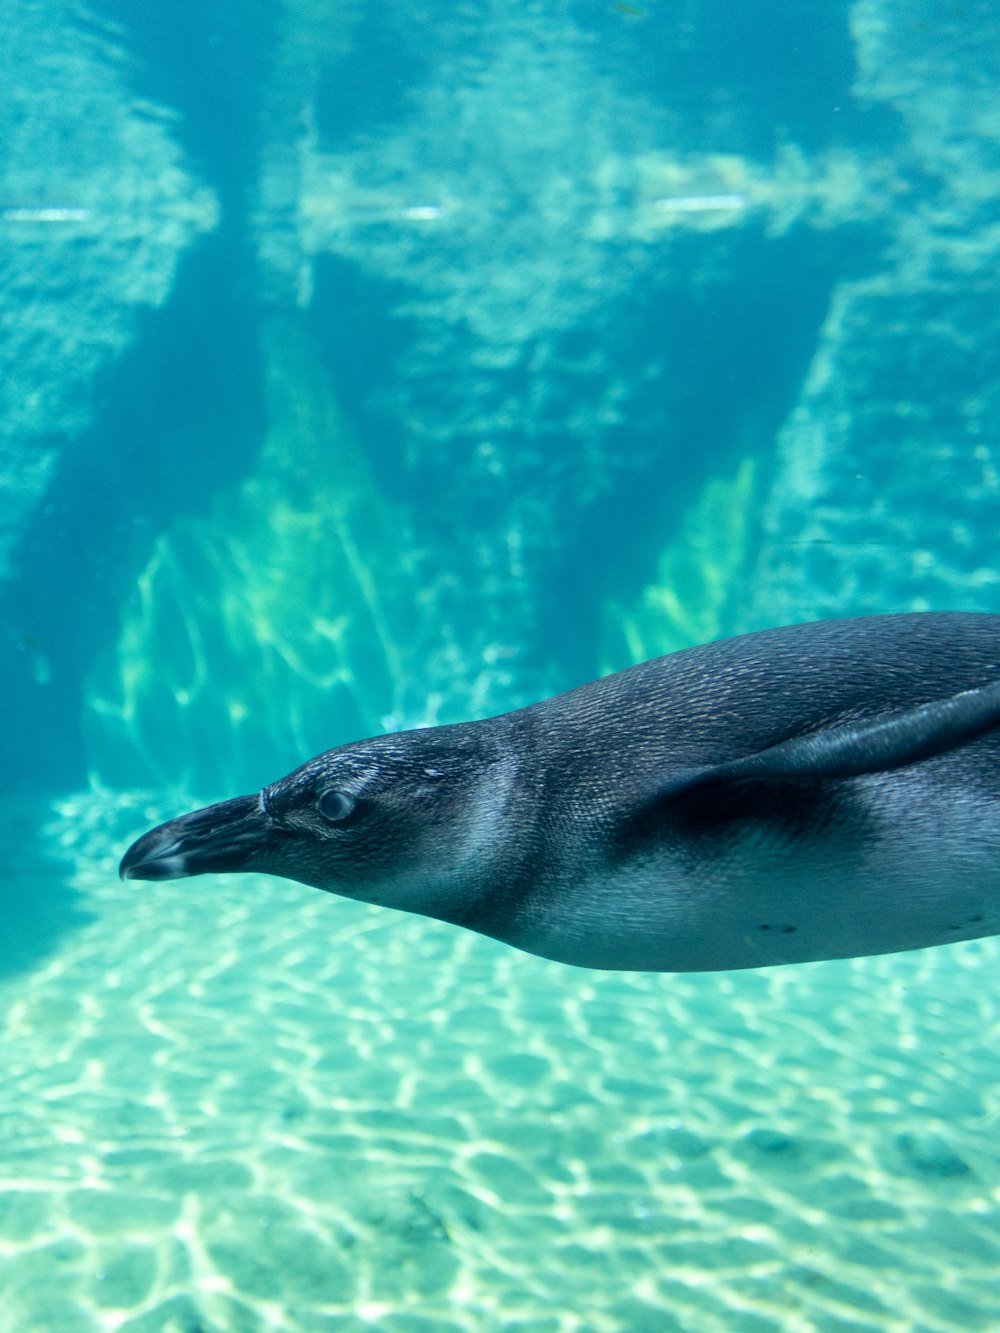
(819, 791)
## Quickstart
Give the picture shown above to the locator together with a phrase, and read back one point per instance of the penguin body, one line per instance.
(819, 791)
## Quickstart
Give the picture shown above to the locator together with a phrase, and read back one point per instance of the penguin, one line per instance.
(817, 791)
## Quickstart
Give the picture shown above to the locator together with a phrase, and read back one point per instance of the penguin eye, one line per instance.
(334, 805)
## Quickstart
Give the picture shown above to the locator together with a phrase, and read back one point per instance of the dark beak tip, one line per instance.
(215, 839)
(139, 856)
(127, 865)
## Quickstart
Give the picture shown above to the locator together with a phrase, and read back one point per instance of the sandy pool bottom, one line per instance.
(230, 1105)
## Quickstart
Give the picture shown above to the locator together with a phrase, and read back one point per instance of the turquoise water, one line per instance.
(369, 367)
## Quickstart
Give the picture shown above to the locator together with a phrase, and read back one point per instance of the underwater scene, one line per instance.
(374, 366)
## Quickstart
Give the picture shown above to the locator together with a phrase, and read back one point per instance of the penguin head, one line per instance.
(412, 820)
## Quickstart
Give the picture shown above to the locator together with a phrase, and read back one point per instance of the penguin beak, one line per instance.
(218, 838)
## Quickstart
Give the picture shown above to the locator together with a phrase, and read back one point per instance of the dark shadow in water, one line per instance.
(208, 60)
(178, 416)
(37, 903)
(361, 340)
(735, 354)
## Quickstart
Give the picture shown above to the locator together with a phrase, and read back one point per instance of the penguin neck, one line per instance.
(479, 876)
(496, 853)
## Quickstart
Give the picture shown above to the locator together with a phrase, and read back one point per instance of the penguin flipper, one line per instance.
(854, 748)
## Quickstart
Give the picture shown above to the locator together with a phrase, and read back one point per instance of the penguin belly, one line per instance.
(919, 867)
